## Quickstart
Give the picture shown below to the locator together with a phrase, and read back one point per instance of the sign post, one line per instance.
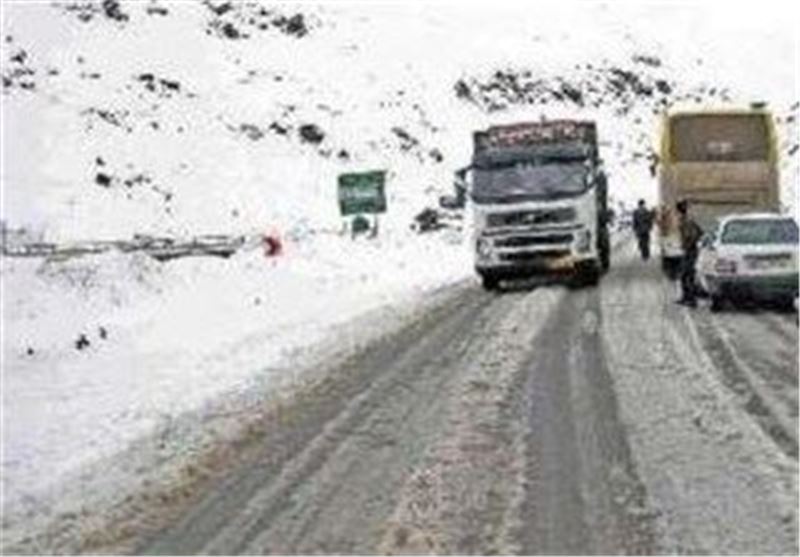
(362, 193)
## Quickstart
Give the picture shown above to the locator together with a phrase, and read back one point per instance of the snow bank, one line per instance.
(108, 346)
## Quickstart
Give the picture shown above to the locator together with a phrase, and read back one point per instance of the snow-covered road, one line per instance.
(719, 468)
(541, 420)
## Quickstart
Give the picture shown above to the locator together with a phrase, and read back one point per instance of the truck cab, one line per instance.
(539, 200)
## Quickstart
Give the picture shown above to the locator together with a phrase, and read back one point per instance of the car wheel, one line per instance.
(717, 302)
(786, 304)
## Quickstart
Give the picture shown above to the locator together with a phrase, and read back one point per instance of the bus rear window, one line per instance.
(728, 137)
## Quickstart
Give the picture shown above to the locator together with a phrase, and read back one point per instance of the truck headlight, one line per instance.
(484, 248)
(583, 241)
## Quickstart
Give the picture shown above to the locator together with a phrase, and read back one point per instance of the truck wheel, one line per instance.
(605, 251)
(490, 282)
(588, 274)
(605, 258)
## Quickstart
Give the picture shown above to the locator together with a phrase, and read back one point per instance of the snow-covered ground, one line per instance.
(164, 339)
(179, 356)
(185, 118)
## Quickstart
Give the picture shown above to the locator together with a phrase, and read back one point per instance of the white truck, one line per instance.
(539, 199)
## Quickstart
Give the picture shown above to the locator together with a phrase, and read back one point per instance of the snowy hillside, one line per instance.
(187, 118)
(175, 117)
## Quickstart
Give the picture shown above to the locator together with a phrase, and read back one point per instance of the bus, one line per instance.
(721, 162)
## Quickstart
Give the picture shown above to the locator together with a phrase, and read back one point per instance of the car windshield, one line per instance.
(760, 231)
(519, 180)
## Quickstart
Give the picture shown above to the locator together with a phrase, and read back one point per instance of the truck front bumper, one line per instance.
(527, 253)
(532, 264)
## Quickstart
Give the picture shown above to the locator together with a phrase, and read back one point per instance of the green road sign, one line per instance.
(362, 192)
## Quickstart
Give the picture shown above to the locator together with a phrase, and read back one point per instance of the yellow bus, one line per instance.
(721, 162)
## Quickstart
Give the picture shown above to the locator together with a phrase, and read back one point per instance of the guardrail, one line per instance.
(160, 248)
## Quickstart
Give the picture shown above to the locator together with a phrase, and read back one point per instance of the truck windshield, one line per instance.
(514, 181)
(760, 231)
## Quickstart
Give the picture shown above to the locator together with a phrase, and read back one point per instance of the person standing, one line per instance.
(690, 233)
(642, 225)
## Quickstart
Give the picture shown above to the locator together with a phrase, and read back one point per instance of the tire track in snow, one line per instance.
(583, 492)
(769, 345)
(754, 393)
(717, 483)
(461, 497)
(784, 325)
(346, 447)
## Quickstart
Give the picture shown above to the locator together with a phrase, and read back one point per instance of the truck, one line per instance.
(721, 161)
(539, 202)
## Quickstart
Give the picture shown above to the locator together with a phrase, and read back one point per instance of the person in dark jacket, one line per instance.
(642, 225)
(690, 233)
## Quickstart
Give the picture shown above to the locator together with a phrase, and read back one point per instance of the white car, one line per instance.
(752, 255)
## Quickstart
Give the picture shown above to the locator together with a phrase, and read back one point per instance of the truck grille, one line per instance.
(534, 256)
(526, 241)
(533, 217)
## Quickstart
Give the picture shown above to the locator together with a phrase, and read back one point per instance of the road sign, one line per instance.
(362, 192)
